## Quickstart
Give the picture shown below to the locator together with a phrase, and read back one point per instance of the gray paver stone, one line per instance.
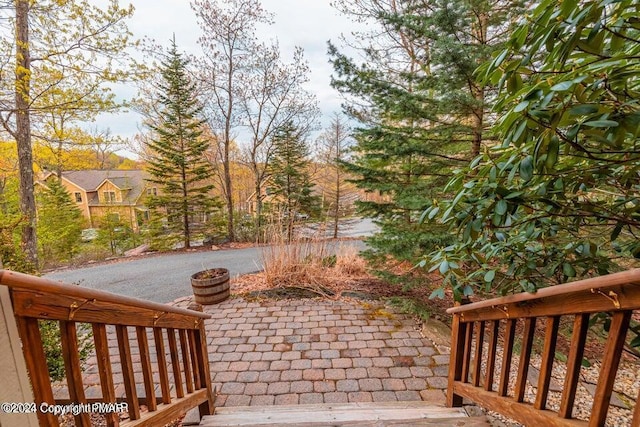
(255, 389)
(287, 399)
(348, 385)
(370, 384)
(311, 398)
(336, 397)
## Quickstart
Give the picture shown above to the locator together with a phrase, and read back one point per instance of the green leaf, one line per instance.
(568, 270)
(501, 207)
(437, 293)
(518, 133)
(601, 123)
(489, 276)
(521, 106)
(552, 153)
(561, 357)
(562, 86)
(434, 212)
(616, 230)
(526, 168)
(583, 109)
(513, 195)
(444, 267)
(496, 62)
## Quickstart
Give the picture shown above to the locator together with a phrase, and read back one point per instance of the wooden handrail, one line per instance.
(13, 279)
(35, 299)
(601, 282)
(617, 294)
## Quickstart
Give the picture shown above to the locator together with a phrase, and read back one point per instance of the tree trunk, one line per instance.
(258, 211)
(185, 211)
(227, 143)
(478, 91)
(336, 216)
(227, 183)
(478, 123)
(23, 133)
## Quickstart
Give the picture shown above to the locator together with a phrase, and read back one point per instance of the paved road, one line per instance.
(162, 278)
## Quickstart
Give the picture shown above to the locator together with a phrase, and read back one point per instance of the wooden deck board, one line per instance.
(350, 414)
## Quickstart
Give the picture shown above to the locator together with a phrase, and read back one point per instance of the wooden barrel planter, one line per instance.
(210, 286)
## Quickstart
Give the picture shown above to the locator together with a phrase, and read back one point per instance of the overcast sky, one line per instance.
(305, 23)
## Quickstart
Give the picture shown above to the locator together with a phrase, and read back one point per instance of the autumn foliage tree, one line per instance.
(61, 53)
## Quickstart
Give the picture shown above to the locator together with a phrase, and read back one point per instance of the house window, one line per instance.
(109, 196)
(78, 197)
(153, 191)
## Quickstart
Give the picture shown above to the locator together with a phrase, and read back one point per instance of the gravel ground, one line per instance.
(627, 384)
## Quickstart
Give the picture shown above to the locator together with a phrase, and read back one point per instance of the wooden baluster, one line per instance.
(636, 412)
(101, 344)
(71, 357)
(509, 334)
(207, 407)
(525, 357)
(127, 371)
(36, 362)
(466, 360)
(574, 361)
(147, 372)
(175, 362)
(185, 359)
(162, 365)
(478, 357)
(610, 362)
(548, 353)
(491, 356)
(458, 333)
(194, 357)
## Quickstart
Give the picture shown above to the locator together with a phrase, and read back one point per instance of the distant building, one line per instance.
(102, 193)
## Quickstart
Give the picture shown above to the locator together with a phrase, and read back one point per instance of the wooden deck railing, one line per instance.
(618, 294)
(35, 298)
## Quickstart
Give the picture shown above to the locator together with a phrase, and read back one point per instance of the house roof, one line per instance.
(91, 180)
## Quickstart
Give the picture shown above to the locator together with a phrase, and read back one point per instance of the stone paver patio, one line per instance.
(287, 352)
(319, 351)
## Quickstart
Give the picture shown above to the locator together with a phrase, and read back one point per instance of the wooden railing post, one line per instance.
(458, 334)
(106, 372)
(574, 361)
(15, 381)
(548, 353)
(491, 356)
(206, 408)
(611, 359)
(71, 356)
(37, 365)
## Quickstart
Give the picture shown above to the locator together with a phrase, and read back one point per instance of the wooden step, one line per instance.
(380, 414)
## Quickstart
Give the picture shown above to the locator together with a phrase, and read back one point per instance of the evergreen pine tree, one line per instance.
(176, 161)
(290, 181)
(421, 112)
(60, 223)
